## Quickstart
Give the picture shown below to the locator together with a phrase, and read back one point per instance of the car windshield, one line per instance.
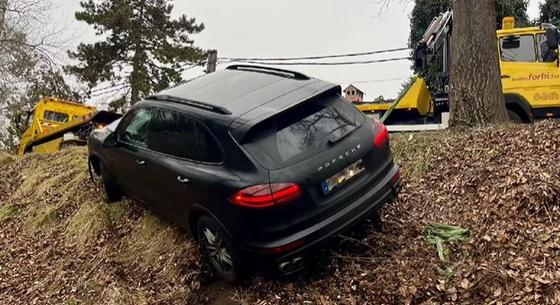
(301, 132)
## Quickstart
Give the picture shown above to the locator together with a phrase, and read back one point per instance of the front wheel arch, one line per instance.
(518, 105)
(196, 212)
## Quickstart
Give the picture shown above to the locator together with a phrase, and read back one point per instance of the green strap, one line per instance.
(438, 234)
(398, 100)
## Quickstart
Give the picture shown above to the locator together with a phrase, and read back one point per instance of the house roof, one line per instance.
(353, 87)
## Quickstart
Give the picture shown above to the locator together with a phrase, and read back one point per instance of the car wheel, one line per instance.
(514, 117)
(218, 250)
(111, 187)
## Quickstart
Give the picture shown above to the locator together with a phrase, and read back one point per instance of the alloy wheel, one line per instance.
(217, 250)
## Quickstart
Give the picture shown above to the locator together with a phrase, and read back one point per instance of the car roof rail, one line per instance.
(275, 71)
(195, 104)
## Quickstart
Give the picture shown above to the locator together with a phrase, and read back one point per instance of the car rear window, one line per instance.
(303, 131)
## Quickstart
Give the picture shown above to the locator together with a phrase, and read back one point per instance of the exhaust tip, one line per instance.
(291, 265)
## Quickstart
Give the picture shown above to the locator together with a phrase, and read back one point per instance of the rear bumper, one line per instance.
(384, 191)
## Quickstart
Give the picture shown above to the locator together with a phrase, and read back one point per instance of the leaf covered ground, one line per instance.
(61, 244)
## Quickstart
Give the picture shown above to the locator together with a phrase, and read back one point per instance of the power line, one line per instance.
(314, 57)
(325, 63)
(187, 67)
(377, 80)
(112, 91)
(110, 87)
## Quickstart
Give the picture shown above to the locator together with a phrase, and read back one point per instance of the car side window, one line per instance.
(518, 48)
(179, 135)
(209, 150)
(135, 130)
(55, 116)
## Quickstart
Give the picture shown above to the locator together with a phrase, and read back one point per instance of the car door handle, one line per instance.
(505, 76)
(183, 179)
(141, 162)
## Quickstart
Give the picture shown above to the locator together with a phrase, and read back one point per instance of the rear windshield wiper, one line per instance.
(334, 138)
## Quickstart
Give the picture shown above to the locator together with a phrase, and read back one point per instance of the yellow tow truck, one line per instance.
(54, 123)
(530, 72)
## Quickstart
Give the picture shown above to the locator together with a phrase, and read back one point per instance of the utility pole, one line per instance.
(212, 61)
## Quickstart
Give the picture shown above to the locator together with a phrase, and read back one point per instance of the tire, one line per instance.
(112, 190)
(218, 250)
(514, 117)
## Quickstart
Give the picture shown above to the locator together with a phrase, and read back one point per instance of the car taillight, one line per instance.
(396, 176)
(382, 134)
(266, 195)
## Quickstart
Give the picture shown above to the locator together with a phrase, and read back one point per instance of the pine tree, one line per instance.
(144, 46)
(550, 12)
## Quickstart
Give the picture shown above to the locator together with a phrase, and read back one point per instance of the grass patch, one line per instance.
(114, 295)
(414, 152)
(155, 244)
(6, 158)
(8, 212)
(59, 172)
(92, 219)
(39, 218)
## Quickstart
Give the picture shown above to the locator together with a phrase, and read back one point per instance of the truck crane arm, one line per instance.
(436, 41)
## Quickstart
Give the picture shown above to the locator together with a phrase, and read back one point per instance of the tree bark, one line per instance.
(475, 97)
(3, 8)
(135, 76)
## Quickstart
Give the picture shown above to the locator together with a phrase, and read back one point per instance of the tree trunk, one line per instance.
(475, 97)
(136, 77)
(3, 7)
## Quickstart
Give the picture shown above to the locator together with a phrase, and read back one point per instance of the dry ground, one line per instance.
(61, 244)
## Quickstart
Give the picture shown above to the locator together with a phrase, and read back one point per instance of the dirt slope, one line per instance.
(60, 244)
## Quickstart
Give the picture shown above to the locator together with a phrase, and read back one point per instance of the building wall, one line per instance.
(357, 97)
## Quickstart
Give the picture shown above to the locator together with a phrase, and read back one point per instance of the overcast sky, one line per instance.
(286, 28)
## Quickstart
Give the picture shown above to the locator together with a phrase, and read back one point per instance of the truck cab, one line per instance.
(54, 122)
(530, 71)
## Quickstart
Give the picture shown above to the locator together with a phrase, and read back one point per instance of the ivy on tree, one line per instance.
(143, 45)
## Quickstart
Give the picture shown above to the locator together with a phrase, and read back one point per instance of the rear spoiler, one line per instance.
(105, 117)
(242, 126)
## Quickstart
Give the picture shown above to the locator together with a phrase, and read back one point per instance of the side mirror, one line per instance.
(110, 140)
(420, 59)
(552, 38)
(511, 42)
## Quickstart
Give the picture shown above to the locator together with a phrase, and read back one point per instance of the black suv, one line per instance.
(258, 163)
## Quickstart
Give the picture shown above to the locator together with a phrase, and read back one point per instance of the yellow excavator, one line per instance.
(54, 123)
(530, 71)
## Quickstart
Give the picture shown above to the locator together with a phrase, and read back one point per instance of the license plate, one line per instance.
(328, 185)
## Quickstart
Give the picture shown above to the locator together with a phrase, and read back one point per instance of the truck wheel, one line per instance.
(514, 117)
(218, 250)
(112, 189)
